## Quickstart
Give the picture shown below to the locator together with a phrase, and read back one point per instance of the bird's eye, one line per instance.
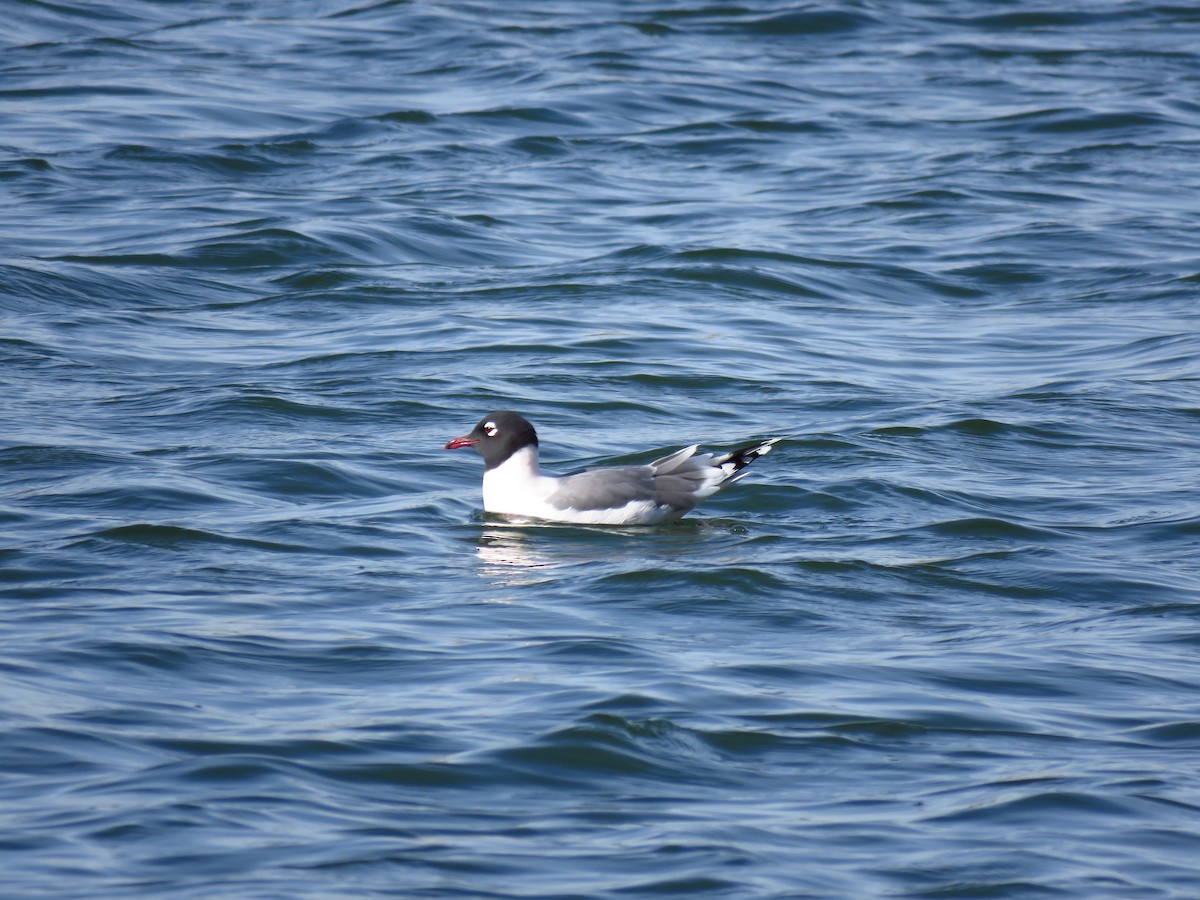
(490, 429)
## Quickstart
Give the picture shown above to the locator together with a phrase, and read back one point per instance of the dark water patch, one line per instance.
(62, 756)
(1036, 807)
(980, 528)
(210, 663)
(264, 409)
(1167, 612)
(880, 495)
(429, 775)
(1052, 19)
(231, 160)
(320, 279)
(408, 117)
(752, 282)
(583, 649)
(809, 22)
(767, 125)
(705, 582)
(262, 248)
(683, 886)
(132, 492)
(623, 749)
(797, 23)
(259, 248)
(52, 460)
(540, 146)
(284, 477)
(990, 428)
(25, 353)
(17, 168)
(107, 90)
(520, 117)
(221, 752)
(1070, 121)
(1000, 275)
(1174, 734)
(45, 22)
(139, 655)
(178, 538)
(36, 286)
(350, 130)
(780, 498)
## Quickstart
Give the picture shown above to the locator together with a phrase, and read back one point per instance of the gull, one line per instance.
(514, 485)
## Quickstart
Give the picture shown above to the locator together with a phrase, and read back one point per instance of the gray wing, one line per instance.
(672, 481)
(680, 480)
(609, 488)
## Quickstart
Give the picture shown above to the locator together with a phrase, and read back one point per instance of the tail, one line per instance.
(733, 463)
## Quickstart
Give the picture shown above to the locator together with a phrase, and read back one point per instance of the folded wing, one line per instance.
(678, 481)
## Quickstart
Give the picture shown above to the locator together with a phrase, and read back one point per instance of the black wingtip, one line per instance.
(739, 459)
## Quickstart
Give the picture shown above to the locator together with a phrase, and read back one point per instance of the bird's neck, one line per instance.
(523, 462)
(508, 487)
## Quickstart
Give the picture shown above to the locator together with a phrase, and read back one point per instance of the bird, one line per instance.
(515, 487)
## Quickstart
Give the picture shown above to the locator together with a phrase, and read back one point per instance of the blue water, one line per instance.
(260, 261)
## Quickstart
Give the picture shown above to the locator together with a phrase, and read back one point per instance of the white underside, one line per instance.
(516, 488)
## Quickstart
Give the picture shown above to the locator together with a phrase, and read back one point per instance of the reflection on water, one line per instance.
(508, 557)
(535, 553)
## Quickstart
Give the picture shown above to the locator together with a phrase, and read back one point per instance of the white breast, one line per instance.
(516, 487)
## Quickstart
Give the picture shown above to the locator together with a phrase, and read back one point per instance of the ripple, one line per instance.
(171, 537)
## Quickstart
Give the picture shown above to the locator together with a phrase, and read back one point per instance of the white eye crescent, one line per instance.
(490, 429)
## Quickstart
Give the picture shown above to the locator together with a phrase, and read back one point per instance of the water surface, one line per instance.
(258, 262)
